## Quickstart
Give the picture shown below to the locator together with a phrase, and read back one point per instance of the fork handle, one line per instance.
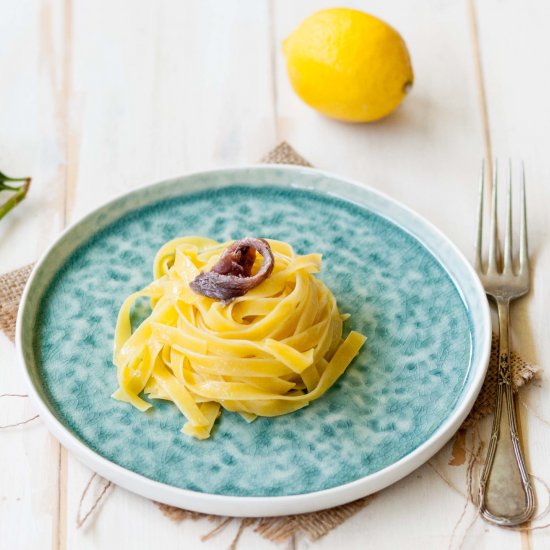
(505, 493)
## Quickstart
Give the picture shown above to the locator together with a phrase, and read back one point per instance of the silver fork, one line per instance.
(505, 493)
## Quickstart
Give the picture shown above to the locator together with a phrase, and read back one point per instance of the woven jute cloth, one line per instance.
(11, 288)
(279, 529)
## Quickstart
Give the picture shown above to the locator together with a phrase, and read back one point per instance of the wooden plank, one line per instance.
(174, 88)
(426, 155)
(32, 144)
(31, 126)
(515, 45)
(178, 88)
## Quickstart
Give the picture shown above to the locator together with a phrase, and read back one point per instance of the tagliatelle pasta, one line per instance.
(266, 353)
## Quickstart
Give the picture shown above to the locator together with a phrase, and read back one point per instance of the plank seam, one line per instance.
(480, 84)
(66, 95)
(273, 59)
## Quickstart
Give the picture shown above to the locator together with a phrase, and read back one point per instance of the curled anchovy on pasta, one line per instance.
(231, 276)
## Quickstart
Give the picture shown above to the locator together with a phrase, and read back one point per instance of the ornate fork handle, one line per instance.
(505, 493)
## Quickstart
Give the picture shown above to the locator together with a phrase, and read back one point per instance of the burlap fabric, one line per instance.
(11, 288)
(314, 525)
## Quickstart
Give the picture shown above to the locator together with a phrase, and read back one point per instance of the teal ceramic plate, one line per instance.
(405, 285)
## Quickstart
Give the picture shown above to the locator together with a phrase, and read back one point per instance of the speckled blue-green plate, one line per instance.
(405, 285)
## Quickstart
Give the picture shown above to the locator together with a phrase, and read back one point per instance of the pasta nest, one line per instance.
(267, 353)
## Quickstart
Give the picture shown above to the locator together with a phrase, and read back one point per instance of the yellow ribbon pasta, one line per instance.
(267, 353)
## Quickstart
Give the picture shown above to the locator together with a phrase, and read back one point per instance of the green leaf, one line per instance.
(4, 187)
(3, 178)
(16, 198)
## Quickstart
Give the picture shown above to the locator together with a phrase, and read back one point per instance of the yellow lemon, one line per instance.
(348, 65)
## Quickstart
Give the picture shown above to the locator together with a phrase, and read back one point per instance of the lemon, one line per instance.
(348, 65)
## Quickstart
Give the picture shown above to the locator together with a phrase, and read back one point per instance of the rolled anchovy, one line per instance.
(230, 276)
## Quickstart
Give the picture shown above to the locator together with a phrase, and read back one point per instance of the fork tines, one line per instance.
(494, 263)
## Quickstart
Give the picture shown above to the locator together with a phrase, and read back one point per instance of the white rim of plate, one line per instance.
(252, 506)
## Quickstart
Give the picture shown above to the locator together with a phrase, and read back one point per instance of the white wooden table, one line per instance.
(101, 97)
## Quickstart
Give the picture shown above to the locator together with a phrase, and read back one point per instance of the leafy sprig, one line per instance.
(19, 192)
